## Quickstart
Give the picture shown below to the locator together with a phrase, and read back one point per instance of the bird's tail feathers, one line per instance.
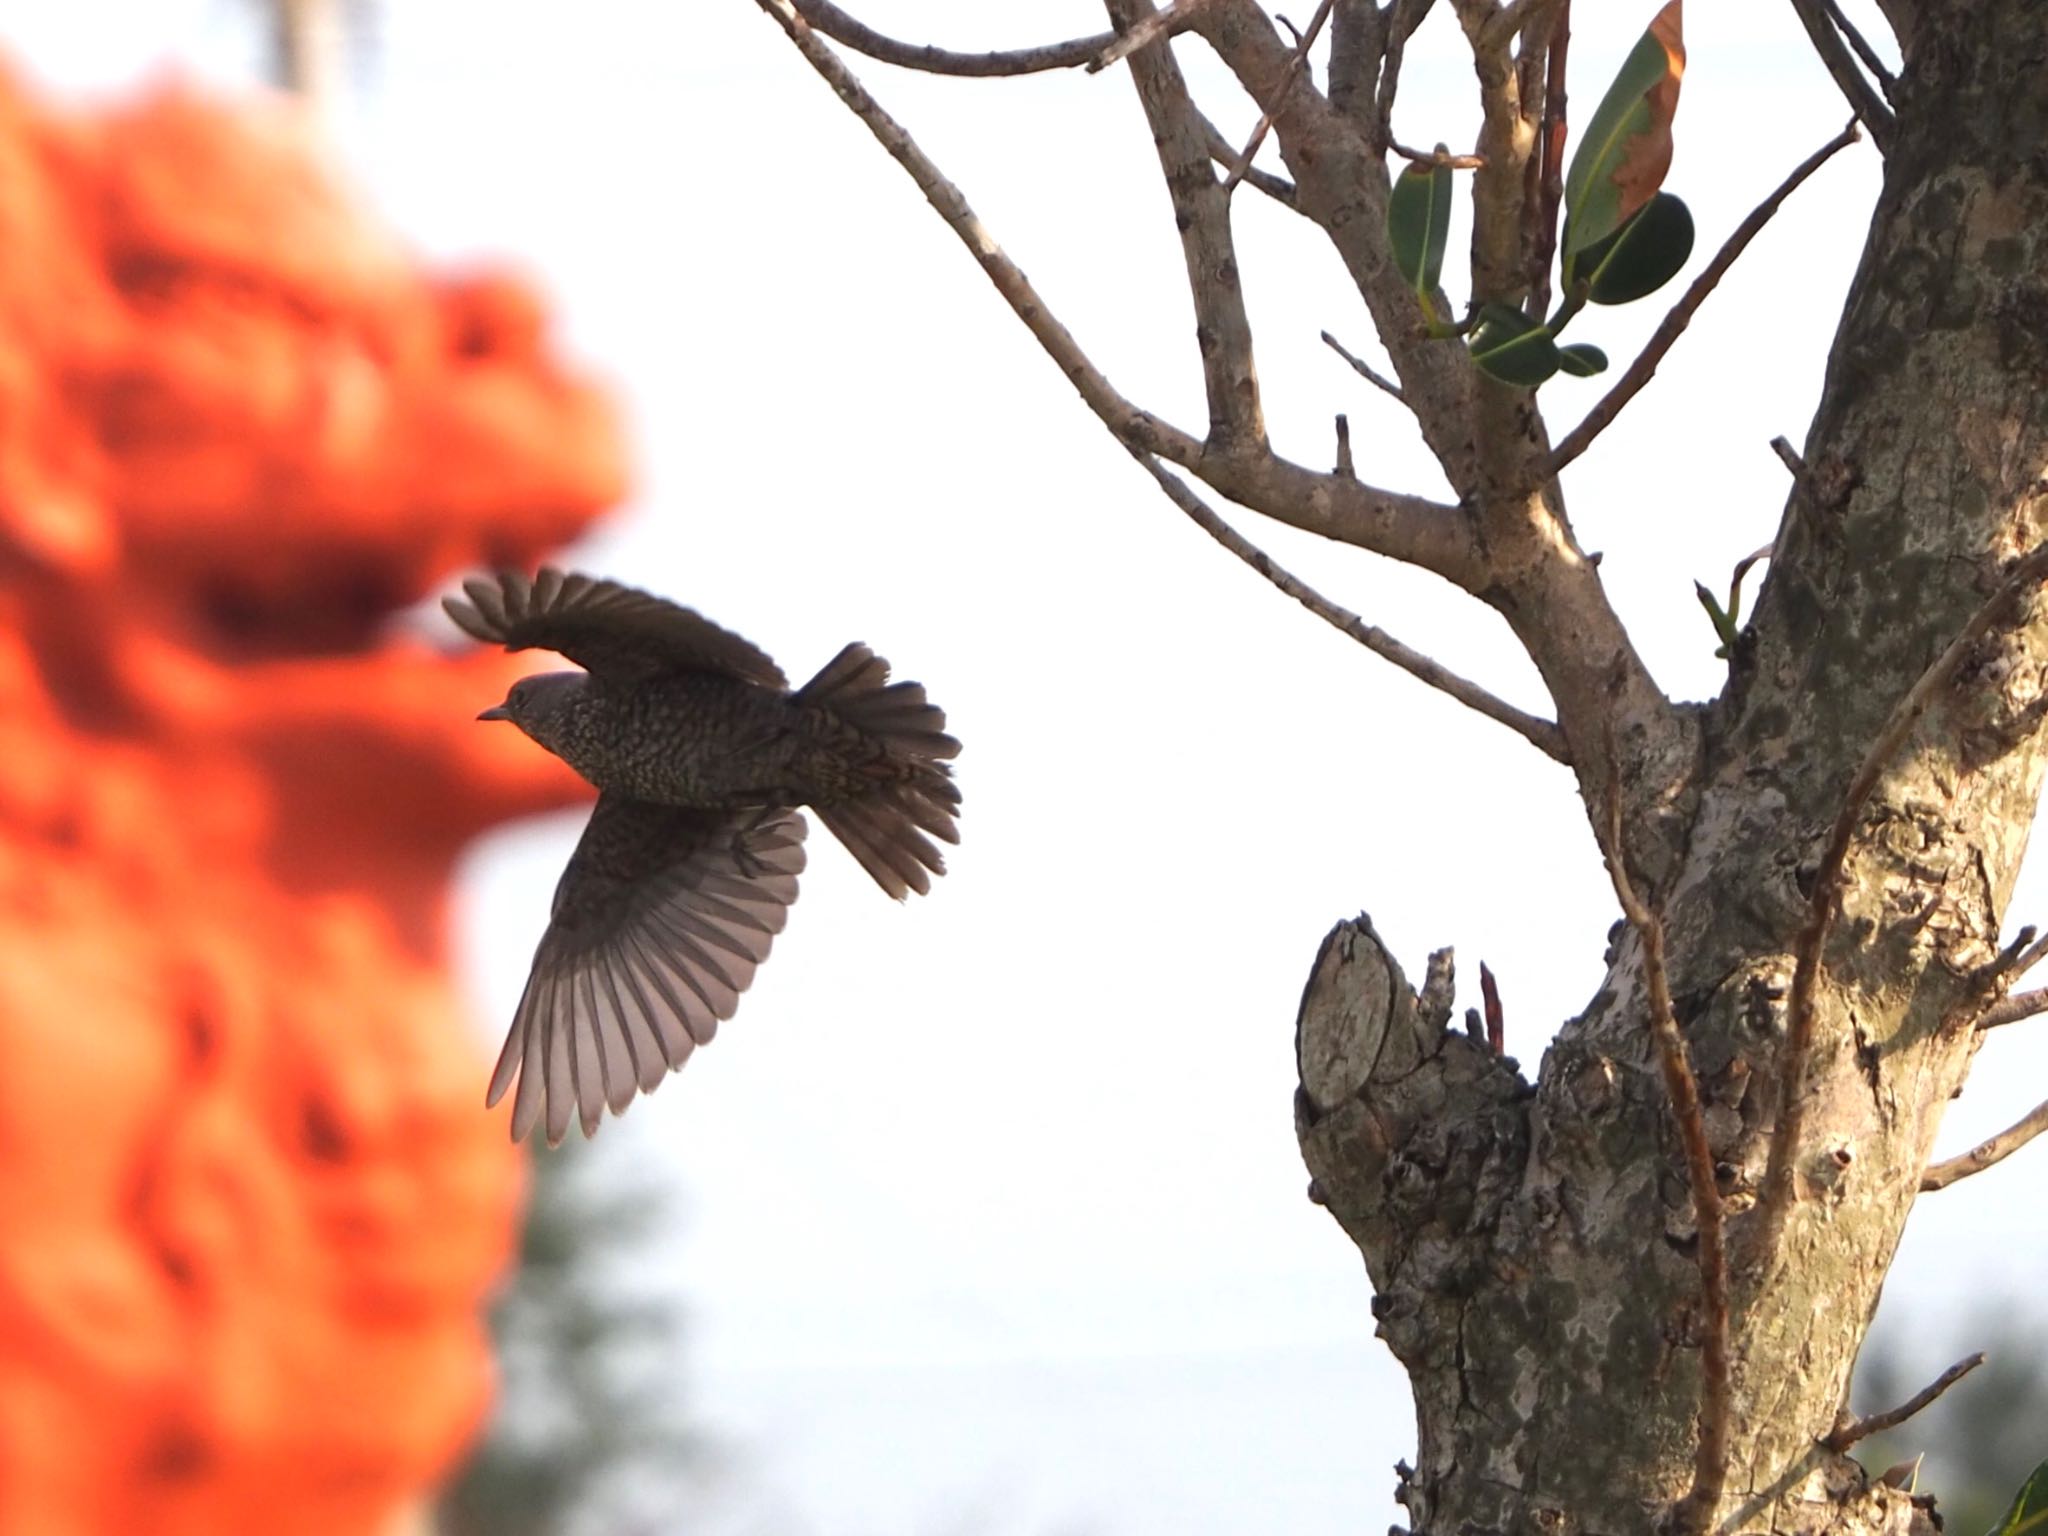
(890, 829)
(855, 686)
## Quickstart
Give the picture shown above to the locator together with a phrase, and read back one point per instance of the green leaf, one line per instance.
(1514, 348)
(2029, 1513)
(1643, 255)
(1621, 161)
(1419, 227)
(1582, 360)
(1723, 620)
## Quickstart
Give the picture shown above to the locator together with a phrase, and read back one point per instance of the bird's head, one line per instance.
(537, 704)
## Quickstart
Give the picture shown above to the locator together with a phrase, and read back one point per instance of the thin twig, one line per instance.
(1149, 29)
(1710, 1460)
(1640, 372)
(1409, 528)
(861, 38)
(1403, 18)
(1885, 78)
(1496, 1016)
(1365, 370)
(1986, 1153)
(1224, 153)
(1780, 1182)
(1264, 126)
(1789, 457)
(1434, 157)
(2020, 1006)
(1541, 734)
(1344, 465)
(1991, 984)
(1848, 75)
(1550, 160)
(1849, 1429)
(2030, 957)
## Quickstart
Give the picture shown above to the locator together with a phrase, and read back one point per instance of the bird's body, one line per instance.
(700, 739)
(701, 753)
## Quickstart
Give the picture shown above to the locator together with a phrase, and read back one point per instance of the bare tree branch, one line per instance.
(1201, 209)
(1364, 369)
(1991, 985)
(1408, 528)
(2030, 955)
(861, 38)
(1548, 162)
(1224, 153)
(1849, 1429)
(1358, 44)
(1341, 183)
(1543, 735)
(1489, 443)
(1780, 1182)
(1862, 96)
(1436, 157)
(1149, 28)
(1644, 368)
(1506, 142)
(1681, 1087)
(1885, 79)
(1403, 17)
(2021, 1005)
(1265, 122)
(1987, 1153)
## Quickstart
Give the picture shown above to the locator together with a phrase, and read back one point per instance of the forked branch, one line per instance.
(1225, 154)
(1265, 122)
(1408, 528)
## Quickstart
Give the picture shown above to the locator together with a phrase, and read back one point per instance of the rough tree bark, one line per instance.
(1822, 854)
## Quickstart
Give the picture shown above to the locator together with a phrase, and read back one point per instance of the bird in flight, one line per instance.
(701, 754)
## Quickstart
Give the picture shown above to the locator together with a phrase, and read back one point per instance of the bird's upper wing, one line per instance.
(604, 627)
(659, 921)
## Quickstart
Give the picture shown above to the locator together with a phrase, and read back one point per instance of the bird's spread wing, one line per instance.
(604, 627)
(659, 921)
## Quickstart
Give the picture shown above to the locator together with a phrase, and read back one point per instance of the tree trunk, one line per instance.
(1532, 1247)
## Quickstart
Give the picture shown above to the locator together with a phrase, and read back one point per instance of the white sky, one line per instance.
(995, 1217)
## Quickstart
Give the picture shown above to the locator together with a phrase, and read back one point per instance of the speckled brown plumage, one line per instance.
(701, 753)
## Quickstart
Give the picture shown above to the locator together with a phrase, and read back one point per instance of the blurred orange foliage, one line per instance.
(250, 1202)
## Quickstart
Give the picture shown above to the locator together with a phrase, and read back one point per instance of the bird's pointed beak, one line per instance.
(496, 712)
